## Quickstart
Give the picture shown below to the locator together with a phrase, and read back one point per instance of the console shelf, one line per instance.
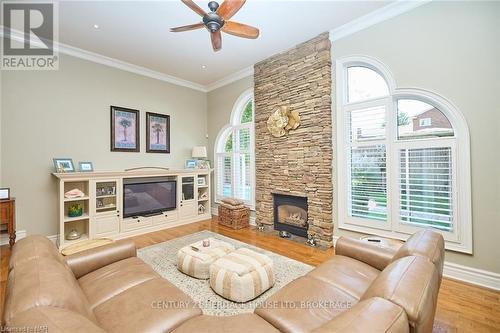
(102, 203)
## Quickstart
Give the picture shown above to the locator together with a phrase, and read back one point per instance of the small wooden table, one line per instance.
(8, 217)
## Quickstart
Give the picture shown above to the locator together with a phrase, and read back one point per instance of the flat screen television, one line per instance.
(144, 196)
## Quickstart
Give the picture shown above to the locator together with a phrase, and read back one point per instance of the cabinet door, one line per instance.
(187, 188)
(188, 209)
(106, 225)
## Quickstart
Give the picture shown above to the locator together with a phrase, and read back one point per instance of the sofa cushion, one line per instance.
(413, 284)
(152, 306)
(372, 315)
(427, 244)
(104, 283)
(44, 282)
(33, 247)
(248, 323)
(347, 274)
(54, 320)
(304, 305)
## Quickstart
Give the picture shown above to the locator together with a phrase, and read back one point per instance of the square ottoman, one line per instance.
(197, 263)
(242, 275)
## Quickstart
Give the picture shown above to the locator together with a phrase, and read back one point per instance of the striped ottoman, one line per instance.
(242, 275)
(197, 263)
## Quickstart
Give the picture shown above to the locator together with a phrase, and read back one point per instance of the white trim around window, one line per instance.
(233, 128)
(459, 236)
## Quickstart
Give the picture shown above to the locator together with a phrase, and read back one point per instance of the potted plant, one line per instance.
(75, 210)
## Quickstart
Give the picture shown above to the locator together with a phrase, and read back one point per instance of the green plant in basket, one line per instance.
(75, 210)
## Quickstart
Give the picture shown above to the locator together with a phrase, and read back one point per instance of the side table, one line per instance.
(8, 217)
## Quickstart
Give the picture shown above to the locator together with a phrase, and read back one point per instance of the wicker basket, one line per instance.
(234, 218)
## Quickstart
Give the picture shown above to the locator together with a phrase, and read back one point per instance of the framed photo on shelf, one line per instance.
(201, 181)
(63, 165)
(157, 133)
(124, 129)
(85, 167)
(4, 193)
(203, 164)
(191, 164)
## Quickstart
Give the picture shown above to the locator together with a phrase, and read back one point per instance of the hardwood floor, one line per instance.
(461, 307)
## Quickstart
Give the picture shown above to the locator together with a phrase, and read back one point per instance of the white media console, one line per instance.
(102, 204)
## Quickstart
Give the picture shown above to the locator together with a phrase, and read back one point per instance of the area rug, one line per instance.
(162, 258)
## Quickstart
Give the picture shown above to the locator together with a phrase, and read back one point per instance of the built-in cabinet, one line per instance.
(101, 204)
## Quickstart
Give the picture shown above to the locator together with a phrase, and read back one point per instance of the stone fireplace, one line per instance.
(300, 163)
(290, 214)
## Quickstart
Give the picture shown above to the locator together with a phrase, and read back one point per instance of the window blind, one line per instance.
(368, 190)
(425, 186)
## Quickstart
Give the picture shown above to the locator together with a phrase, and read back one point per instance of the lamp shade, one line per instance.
(199, 152)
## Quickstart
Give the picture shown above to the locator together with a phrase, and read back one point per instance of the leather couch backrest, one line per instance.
(425, 243)
(412, 283)
(38, 277)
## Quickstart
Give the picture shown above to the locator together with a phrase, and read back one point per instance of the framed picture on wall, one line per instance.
(157, 133)
(124, 129)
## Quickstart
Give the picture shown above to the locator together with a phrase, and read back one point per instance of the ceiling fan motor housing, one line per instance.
(213, 21)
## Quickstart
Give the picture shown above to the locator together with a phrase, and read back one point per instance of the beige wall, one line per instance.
(220, 104)
(65, 113)
(452, 49)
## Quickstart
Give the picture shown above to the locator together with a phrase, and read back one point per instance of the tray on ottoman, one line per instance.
(197, 263)
(242, 275)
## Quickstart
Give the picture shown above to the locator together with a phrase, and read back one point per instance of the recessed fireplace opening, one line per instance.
(290, 214)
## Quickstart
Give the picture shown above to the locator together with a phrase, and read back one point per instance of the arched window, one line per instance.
(403, 157)
(234, 153)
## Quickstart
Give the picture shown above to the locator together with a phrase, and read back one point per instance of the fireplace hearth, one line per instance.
(290, 214)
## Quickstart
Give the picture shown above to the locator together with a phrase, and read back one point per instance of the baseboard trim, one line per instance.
(54, 238)
(4, 238)
(475, 276)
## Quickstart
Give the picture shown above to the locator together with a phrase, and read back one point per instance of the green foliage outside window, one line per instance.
(247, 115)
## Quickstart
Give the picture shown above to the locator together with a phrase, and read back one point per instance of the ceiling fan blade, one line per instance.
(216, 40)
(240, 30)
(188, 27)
(229, 8)
(194, 7)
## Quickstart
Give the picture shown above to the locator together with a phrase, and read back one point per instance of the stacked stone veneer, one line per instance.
(299, 163)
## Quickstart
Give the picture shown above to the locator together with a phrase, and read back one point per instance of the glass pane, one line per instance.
(224, 187)
(247, 115)
(242, 177)
(228, 146)
(426, 187)
(417, 120)
(364, 83)
(368, 182)
(243, 140)
(368, 124)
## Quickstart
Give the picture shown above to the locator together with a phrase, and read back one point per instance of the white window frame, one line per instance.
(232, 128)
(460, 238)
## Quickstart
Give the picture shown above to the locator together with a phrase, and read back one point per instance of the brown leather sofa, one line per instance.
(363, 288)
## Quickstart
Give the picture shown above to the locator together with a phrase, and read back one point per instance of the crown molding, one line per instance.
(230, 78)
(108, 61)
(380, 15)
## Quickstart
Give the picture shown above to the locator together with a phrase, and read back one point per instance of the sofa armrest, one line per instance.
(375, 315)
(87, 261)
(373, 255)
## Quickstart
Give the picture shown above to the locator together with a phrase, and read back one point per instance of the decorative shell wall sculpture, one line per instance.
(282, 120)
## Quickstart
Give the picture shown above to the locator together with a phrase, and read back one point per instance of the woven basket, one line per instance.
(234, 218)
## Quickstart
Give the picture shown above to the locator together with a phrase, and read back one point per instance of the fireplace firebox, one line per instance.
(290, 214)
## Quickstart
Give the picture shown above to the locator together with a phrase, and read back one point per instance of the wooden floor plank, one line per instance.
(461, 307)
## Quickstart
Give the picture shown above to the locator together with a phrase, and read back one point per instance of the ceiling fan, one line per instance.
(217, 20)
